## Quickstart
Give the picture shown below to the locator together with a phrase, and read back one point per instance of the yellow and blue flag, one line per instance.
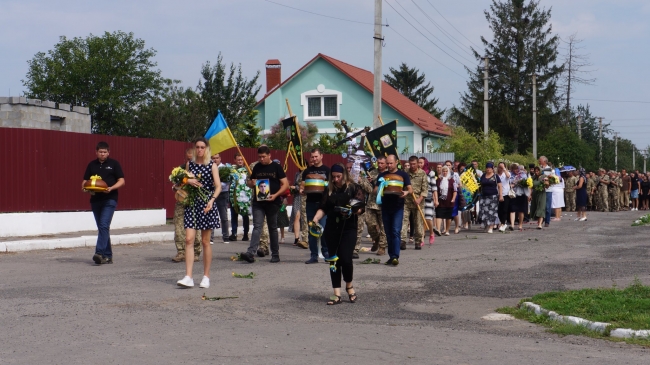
(219, 135)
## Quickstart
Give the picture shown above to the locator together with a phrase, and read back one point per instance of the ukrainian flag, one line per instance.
(219, 135)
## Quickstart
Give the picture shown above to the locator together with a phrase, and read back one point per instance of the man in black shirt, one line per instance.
(104, 203)
(313, 202)
(278, 184)
(392, 209)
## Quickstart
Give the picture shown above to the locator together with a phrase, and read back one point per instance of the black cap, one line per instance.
(531, 165)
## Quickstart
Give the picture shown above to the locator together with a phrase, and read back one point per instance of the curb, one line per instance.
(84, 241)
(594, 326)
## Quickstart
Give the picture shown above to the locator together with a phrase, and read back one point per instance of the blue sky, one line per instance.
(186, 34)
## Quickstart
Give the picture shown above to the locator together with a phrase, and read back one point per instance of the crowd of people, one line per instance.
(399, 203)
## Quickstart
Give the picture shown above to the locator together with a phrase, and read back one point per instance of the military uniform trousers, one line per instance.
(179, 231)
(411, 210)
(376, 227)
(613, 200)
(264, 238)
(570, 201)
(360, 223)
(603, 199)
(304, 228)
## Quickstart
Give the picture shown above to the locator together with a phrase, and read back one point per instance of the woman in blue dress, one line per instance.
(200, 216)
(581, 196)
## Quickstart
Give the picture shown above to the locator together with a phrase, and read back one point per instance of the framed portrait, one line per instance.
(262, 190)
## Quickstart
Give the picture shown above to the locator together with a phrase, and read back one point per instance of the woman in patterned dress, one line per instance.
(491, 195)
(200, 216)
(432, 197)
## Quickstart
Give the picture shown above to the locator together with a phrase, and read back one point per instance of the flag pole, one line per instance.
(242, 155)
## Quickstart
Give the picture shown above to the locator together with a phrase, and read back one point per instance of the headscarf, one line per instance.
(337, 168)
(426, 165)
(444, 183)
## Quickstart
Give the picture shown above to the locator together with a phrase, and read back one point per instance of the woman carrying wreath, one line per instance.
(538, 198)
(342, 203)
(199, 216)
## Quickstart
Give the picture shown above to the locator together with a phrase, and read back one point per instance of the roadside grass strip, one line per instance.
(642, 221)
(611, 313)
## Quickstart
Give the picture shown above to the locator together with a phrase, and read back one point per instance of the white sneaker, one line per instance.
(226, 242)
(187, 282)
(211, 241)
(205, 282)
(582, 219)
(503, 228)
(320, 255)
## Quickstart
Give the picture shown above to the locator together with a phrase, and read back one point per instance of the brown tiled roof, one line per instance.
(403, 105)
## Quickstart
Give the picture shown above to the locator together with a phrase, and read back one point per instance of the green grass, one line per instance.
(626, 308)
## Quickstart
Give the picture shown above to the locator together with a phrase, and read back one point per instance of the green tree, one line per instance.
(522, 44)
(563, 147)
(410, 83)
(277, 138)
(178, 114)
(327, 143)
(226, 89)
(468, 146)
(111, 74)
(248, 133)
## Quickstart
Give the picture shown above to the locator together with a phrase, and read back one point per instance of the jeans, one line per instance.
(234, 220)
(393, 228)
(312, 208)
(103, 212)
(549, 203)
(260, 211)
(222, 207)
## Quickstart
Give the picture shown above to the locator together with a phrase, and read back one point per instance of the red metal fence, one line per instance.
(42, 170)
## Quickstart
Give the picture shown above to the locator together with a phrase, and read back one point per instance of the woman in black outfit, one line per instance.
(645, 191)
(342, 205)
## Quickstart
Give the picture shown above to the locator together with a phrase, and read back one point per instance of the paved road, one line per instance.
(57, 307)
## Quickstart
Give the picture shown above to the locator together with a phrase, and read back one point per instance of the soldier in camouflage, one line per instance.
(420, 185)
(612, 191)
(569, 192)
(603, 196)
(591, 184)
(179, 226)
(373, 213)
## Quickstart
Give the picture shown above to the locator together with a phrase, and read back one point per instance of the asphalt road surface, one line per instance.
(58, 307)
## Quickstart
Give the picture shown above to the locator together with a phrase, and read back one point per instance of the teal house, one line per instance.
(326, 90)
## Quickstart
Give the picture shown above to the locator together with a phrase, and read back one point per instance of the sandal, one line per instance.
(353, 295)
(334, 300)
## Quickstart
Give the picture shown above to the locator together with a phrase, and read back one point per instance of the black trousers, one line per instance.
(504, 210)
(341, 243)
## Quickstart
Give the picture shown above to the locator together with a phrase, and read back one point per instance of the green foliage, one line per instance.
(247, 133)
(411, 84)
(327, 143)
(110, 74)
(563, 147)
(523, 160)
(229, 91)
(277, 138)
(472, 146)
(522, 44)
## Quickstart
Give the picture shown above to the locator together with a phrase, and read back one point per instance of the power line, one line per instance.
(323, 15)
(420, 49)
(455, 41)
(427, 38)
(616, 101)
(443, 17)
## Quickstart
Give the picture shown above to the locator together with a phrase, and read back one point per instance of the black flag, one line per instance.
(383, 140)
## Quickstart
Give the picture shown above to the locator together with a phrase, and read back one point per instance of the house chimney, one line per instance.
(273, 74)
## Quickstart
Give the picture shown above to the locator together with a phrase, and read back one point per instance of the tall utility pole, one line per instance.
(633, 159)
(600, 142)
(486, 99)
(645, 155)
(535, 116)
(616, 151)
(376, 96)
(579, 126)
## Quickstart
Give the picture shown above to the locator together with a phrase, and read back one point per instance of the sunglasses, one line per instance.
(200, 147)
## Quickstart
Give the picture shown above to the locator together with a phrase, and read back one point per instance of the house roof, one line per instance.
(403, 105)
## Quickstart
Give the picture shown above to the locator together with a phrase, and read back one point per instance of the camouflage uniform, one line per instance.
(420, 185)
(570, 193)
(367, 188)
(374, 220)
(179, 232)
(613, 189)
(591, 183)
(603, 196)
(304, 228)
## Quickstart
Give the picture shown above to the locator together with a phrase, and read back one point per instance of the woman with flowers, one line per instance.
(204, 186)
(538, 198)
(520, 183)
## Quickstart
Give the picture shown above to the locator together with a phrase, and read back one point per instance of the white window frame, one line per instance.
(321, 92)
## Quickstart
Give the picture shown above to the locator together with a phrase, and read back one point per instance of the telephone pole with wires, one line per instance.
(486, 98)
(535, 116)
(579, 126)
(600, 142)
(376, 96)
(616, 151)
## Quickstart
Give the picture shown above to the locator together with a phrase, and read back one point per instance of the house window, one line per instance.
(321, 104)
